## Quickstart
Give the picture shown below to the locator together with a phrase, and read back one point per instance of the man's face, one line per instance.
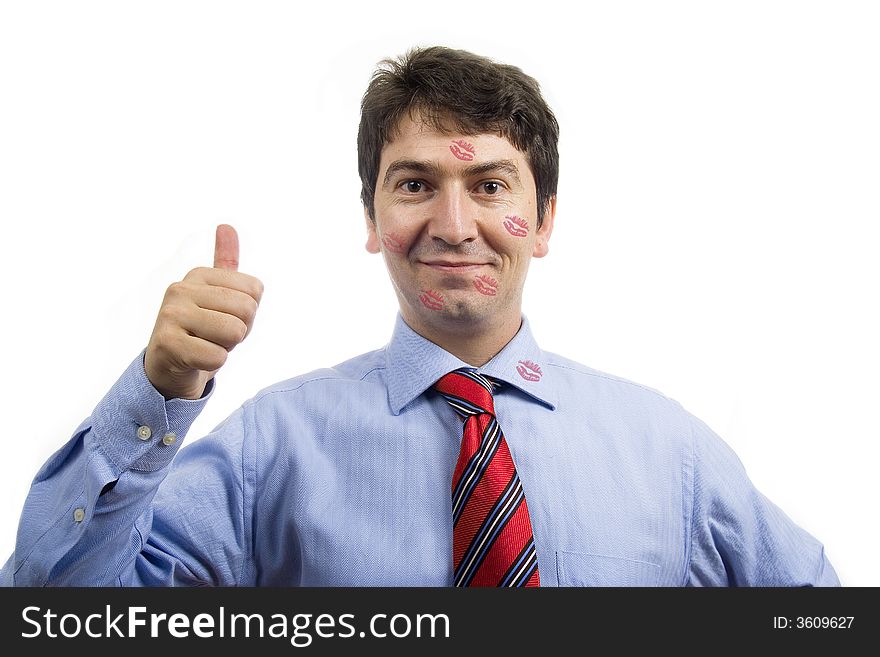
(456, 220)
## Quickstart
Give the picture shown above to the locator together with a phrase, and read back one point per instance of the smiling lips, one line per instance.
(516, 226)
(462, 150)
(431, 300)
(486, 285)
(453, 266)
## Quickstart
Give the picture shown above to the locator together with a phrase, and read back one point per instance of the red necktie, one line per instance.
(492, 542)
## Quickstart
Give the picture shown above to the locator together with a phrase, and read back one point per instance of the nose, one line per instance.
(453, 219)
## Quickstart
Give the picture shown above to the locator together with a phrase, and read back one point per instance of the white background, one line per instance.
(715, 235)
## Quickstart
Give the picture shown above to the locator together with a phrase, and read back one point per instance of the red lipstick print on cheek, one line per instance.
(431, 300)
(392, 243)
(516, 226)
(462, 150)
(486, 285)
(529, 370)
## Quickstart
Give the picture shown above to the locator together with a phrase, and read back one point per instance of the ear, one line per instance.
(542, 236)
(372, 236)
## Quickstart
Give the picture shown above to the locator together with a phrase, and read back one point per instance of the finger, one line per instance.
(225, 300)
(226, 248)
(221, 329)
(201, 354)
(233, 280)
(185, 294)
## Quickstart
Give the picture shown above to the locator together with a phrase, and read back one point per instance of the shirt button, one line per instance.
(144, 432)
(79, 514)
(169, 438)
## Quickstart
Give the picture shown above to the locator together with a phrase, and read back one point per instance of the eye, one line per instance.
(491, 187)
(413, 186)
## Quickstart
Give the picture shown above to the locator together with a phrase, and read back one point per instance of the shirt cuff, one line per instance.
(136, 427)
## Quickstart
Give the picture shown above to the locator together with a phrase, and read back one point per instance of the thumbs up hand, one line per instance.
(201, 319)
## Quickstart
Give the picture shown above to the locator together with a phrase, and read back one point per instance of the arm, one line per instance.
(89, 517)
(90, 503)
(739, 537)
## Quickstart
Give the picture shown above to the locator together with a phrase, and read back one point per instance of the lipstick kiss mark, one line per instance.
(516, 226)
(462, 150)
(529, 371)
(431, 300)
(392, 243)
(486, 285)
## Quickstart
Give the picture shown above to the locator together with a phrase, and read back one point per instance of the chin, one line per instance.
(460, 313)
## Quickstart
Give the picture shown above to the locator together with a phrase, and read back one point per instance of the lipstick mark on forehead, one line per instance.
(462, 150)
(529, 370)
(516, 226)
(393, 243)
(431, 300)
(486, 285)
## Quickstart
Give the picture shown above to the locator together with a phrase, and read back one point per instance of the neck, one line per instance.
(475, 344)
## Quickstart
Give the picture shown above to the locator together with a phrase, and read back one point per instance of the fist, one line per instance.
(202, 318)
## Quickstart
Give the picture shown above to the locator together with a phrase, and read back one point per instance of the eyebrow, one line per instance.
(433, 169)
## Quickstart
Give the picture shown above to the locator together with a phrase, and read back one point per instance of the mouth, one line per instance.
(453, 267)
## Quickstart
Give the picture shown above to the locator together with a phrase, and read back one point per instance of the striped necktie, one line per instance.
(492, 542)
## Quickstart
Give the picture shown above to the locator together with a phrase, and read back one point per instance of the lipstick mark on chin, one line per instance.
(529, 370)
(431, 300)
(392, 243)
(516, 226)
(462, 150)
(486, 285)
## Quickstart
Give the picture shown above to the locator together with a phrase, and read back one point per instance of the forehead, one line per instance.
(415, 139)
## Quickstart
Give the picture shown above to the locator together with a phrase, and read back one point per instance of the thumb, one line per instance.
(226, 248)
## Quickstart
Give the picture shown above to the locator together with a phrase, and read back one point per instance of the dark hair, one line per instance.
(457, 90)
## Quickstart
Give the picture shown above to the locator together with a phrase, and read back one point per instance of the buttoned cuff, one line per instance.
(136, 427)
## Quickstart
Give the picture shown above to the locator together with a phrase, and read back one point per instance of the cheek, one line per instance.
(395, 243)
(432, 300)
(516, 225)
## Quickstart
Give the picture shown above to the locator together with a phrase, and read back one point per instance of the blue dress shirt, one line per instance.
(341, 477)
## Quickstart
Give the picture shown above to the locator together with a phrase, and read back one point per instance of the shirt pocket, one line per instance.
(583, 569)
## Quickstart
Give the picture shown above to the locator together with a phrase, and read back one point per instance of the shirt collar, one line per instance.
(414, 364)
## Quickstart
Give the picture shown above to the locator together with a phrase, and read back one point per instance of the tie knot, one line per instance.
(467, 391)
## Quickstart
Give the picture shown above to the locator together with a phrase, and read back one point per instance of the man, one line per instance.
(459, 454)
